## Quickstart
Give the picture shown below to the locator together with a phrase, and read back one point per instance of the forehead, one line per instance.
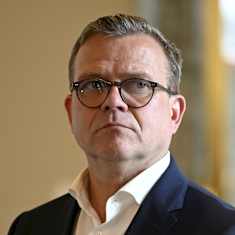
(139, 53)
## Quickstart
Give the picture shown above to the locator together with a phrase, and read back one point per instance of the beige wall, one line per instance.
(39, 157)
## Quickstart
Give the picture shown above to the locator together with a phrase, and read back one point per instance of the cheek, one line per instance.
(155, 123)
(82, 119)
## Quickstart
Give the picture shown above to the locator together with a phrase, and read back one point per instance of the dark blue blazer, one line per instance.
(174, 206)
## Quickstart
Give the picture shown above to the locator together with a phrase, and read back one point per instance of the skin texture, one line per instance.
(119, 141)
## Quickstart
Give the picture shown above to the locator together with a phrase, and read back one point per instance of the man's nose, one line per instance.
(114, 101)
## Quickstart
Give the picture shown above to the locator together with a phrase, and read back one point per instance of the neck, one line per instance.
(106, 179)
(99, 192)
(103, 185)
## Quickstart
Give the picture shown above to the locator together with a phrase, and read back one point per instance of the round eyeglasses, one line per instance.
(135, 92)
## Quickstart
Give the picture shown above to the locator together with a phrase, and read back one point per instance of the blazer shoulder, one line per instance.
(206, 198)
(207, 209)
(46, 217)
(58, 202)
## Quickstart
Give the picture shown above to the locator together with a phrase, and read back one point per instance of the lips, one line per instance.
(113, 125)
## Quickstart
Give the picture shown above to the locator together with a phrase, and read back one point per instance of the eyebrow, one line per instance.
(140, 75)
(122, 76)
(90, 75)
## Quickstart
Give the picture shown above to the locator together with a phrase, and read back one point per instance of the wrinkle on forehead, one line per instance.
(133, 53)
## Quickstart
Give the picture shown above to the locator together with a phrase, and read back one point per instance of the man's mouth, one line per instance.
(113, 125)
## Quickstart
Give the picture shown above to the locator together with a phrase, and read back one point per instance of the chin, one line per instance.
(114, 153)
(111, 148)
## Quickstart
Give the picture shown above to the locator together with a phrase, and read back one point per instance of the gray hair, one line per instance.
(123, 25)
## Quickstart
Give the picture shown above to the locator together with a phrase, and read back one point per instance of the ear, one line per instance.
(68, 107)
(178, 107)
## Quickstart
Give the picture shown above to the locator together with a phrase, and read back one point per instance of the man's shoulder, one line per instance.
(195, 197)
(197, 210)
(56, 207)
(204, 197)
(206, 206)
(58, 203)
(48, 217)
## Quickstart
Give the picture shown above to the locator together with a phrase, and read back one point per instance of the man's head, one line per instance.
(123, 25)
(135, 121)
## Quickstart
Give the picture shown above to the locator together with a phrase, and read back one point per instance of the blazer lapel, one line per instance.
(158, 212)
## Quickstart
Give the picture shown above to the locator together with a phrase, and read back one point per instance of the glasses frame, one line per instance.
(154, 85)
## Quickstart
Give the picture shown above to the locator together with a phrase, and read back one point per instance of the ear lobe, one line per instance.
(177, 111)
(68, 107)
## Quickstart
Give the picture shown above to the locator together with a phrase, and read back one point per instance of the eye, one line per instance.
(98, 84)
(142, 84)
(92, 86)
(136, 86)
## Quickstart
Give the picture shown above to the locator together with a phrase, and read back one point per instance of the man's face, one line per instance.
(115, 132)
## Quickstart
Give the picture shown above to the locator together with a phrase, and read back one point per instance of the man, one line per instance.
(124, 108)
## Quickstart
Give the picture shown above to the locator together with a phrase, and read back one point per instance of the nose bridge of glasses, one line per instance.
(114, 93)
(116, 83)
(113, 85)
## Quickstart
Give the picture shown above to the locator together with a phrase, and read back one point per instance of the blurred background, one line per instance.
(38, 155)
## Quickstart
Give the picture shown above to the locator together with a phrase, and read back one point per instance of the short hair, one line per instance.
(123, 25)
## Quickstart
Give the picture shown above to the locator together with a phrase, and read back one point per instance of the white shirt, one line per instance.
(120, 207)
